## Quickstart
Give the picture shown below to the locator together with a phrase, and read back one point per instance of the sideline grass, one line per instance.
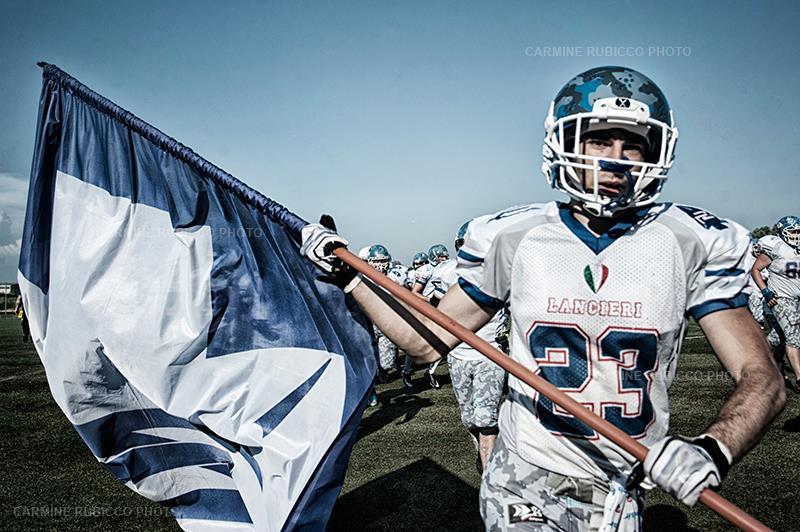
(413, 467)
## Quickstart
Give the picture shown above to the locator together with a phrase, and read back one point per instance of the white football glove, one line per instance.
(684, 467)
(318, 243)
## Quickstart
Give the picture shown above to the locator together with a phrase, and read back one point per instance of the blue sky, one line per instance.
(404, 119)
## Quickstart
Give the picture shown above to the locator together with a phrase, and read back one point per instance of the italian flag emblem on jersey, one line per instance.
(595, 276)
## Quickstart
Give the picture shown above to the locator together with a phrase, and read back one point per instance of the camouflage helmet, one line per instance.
(604, 98)
(379, 258)
(460, 235)
(788, 229)
(419, 259)
(438, 253)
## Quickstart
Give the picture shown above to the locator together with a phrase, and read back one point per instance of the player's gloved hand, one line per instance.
(684, 467)
(769, 296)
(318, 243)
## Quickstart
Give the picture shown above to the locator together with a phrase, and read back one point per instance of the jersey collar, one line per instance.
(598, 243)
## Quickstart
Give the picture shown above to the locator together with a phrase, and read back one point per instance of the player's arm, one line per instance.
(763, 261)
(685, 466)
(410, 331)
(413, 333)
(759, 394)
(417, 290)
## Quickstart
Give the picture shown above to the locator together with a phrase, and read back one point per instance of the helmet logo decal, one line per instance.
(623, 103)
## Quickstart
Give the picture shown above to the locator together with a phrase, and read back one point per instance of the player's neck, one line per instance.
(599, 225)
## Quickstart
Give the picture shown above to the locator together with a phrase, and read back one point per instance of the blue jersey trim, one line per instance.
(727, 272)
(468, 257)
(598, 243)
(704, 309)
(481, 298)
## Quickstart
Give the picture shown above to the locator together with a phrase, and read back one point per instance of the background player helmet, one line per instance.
(363, 253)
(755, 248)
(460, 235)
(379, 258)
(438, 253)
(419, 259)
(604, 98)
(788, 229)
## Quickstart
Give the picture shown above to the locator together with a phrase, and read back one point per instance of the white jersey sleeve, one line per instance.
(478, 242)
(716, 256)
(771, 246)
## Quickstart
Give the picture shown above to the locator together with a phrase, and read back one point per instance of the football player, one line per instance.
(780, 256)
(477, 382)
(437, 256)
(423, 272)
(601, 289)
(423, 268)
(379, 258)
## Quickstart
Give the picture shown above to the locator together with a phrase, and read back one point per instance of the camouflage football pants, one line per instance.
(787, 315)
(478, 385)
(517, 496)
(387, 351)
(755, 304)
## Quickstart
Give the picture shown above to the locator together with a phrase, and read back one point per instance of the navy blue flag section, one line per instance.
(196, 352)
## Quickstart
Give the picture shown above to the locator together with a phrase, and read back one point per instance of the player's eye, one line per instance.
(633, 151)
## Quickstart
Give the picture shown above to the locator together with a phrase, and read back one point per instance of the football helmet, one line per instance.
(460, 234)
(419, 259)
(788, 229)
(363, 253)
(605, 98)
(437, 254)
(755, 247)
(379, 258)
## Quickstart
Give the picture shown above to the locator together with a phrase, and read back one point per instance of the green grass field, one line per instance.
(413, 467)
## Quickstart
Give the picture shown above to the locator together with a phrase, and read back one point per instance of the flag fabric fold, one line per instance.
(191, 346)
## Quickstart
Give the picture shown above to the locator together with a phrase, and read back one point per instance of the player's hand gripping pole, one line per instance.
(713, 500)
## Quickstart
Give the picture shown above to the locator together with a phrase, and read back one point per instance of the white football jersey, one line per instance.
(784, 270)
(398, 273)
(602, 318)
(434, 284)
(423, 274)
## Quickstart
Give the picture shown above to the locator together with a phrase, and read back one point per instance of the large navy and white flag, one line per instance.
(185, 338)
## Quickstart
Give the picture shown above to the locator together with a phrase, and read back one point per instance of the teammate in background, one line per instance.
(477, 382)
(379, 258)
(421, 268)
(437, 256)
(398, 273)
(600, 289)
(755, 302)
(780, 255)
(422, 273)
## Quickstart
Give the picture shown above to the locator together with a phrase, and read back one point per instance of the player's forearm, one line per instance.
(409, 330)
(758, 278)
(758, 397)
